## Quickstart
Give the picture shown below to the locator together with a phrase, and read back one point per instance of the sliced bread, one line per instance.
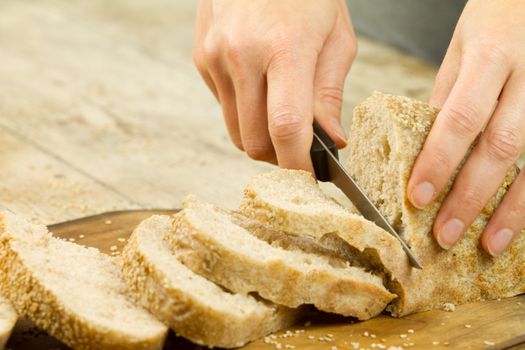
(386, 135)
(348, 236)
(72, 292)
(207, 241)
(8, 319)
(192, 306)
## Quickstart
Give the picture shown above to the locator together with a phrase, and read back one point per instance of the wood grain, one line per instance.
(484, 325)
(108, 92)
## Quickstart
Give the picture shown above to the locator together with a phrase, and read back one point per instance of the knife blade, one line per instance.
(328, 168)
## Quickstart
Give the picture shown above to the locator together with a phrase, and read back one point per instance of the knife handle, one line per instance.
(318, 153)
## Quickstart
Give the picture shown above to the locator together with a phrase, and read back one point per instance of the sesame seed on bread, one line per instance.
(191, 305)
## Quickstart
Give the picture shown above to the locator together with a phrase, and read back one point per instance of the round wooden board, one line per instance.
(484, 325)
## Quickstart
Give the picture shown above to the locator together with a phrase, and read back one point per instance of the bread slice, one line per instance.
(192, 306)
(8, 319)
(208, 242)
(386, 136)
(271, 198)
(72, 292)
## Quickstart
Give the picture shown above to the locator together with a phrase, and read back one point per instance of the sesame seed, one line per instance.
(489, 343)
(468, 326)
(435, 342)
(411, 331)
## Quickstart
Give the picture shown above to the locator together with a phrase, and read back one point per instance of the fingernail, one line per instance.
(422, 195)
(500, 241)
(338, 129)
(450, 233)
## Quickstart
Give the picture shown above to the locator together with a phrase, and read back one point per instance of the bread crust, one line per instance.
(32, 299)
(349, 291)
(464, 273)
(187, 313)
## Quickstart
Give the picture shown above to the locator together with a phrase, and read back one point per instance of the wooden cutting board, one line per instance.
(484, 325)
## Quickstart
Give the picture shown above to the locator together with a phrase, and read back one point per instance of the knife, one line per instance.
(328, 168)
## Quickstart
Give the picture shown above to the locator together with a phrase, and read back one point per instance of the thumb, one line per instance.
(333, 65)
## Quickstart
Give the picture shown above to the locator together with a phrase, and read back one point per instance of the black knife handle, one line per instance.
(318, 153)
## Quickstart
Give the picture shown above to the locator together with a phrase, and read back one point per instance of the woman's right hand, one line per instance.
(273, 65)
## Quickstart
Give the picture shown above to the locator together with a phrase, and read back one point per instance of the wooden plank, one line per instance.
(47, 190)
(117, 96)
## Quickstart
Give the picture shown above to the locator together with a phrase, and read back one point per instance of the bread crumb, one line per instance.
(449, 307)
(489, 343)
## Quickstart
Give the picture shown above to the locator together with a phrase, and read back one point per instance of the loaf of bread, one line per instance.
(386, 135)
(192, 306)
(208, 241)
(72, 292)
(381, 161)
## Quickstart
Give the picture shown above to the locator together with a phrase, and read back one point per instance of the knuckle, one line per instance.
(259, 152)
(210, 52)
(438, 159)
(493, 53)
(504, 144)
(285, 123)
(517, 209)
(331, 95)
(235, 51)
(350, 45)
(463, 118)
(471, 198)
(198, 60)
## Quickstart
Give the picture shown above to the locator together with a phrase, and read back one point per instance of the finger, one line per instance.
(464, 114)
(290, 79)
(202, 24)
(250, 86)
(333, 65)
(446, 76)
(508, 220)
(226, 97)
(497, 150)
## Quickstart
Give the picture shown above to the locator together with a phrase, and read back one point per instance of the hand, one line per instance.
(481, 82)
(273, 65)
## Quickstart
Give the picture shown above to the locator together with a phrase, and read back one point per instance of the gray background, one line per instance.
(422, 28)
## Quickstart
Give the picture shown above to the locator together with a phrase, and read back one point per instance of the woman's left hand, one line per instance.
(480, 86)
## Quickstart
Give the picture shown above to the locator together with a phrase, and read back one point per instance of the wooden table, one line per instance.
(102, 109)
